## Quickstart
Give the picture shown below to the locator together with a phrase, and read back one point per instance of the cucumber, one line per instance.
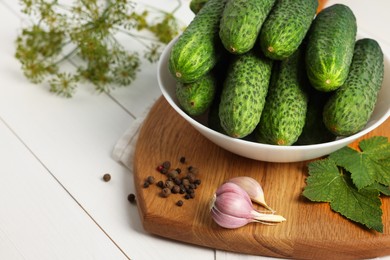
(196, 97)
(284, 113)
(198, 48)
(286, 26)
(350, 107)
(331, 40)
(244, 92)
(196, 5)
(241, 23)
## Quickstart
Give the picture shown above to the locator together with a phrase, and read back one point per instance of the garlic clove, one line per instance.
(253, 189)
(230, 187)
(234, 205)
(228, 221)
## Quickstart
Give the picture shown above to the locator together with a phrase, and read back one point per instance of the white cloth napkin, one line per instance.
(124, 148)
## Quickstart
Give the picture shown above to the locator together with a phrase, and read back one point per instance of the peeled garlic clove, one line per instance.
(253, 188)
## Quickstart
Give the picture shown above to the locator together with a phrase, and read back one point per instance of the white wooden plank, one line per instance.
(74, 138)
(38, 218)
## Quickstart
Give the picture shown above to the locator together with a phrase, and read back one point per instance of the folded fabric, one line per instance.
(124, 148)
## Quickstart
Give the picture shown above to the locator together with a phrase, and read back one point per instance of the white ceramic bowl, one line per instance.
(274, 153)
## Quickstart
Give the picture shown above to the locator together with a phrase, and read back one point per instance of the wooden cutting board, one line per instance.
(312, 230)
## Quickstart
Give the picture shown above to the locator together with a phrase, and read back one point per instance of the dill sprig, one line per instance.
(85, 33)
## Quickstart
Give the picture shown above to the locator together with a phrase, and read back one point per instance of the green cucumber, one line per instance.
(196, 97)
(196, 5)
(286, 26)
(241, 23)
(198, 48)
(284, 113)
(350, 107)
(244, 92)
(330, 45)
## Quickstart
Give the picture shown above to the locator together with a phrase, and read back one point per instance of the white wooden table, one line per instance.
(54, 152)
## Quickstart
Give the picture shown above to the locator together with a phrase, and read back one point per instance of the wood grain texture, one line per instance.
(312, 230)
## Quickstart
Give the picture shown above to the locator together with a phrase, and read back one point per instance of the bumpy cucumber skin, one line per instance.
(243, 94)
(284, 113)
(350, 107)
(241, 23)
(331, 40)
(196, 97)
(198, 48)
(286, 26)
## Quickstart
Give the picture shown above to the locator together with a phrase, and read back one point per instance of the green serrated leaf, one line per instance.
(385, 190)
(328, 183)
(323, 180)
(370, 165)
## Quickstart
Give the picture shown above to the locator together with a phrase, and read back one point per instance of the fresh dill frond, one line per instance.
(84, 33)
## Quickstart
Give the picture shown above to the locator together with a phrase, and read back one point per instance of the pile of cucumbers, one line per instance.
(275, 71)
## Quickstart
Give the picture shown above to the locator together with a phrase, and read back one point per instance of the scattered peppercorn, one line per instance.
(107, 177)
(150, 179)
(160, 184)
(166, 164)
(131, 198)
(193, 170)
(177, 181)
(182, 159)
(169, 184)
(172, 174)
(165, 192)
(174, 184)
(176, 189)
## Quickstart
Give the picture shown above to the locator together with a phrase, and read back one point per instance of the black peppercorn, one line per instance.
(150, 179)
(178, 170)
(187, 196)
(166, 164)
(191, 177)
(179, 203)
(169, 184)
(193, 170)
(165, 192)
(160, 184)
(185, 182)
(106, 177)
(146, 184)
(175, 189)
(172, 174)
(177, 181)
(131, 198)
(182, 159)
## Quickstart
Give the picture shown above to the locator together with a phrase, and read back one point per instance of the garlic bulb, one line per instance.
(231, 207)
